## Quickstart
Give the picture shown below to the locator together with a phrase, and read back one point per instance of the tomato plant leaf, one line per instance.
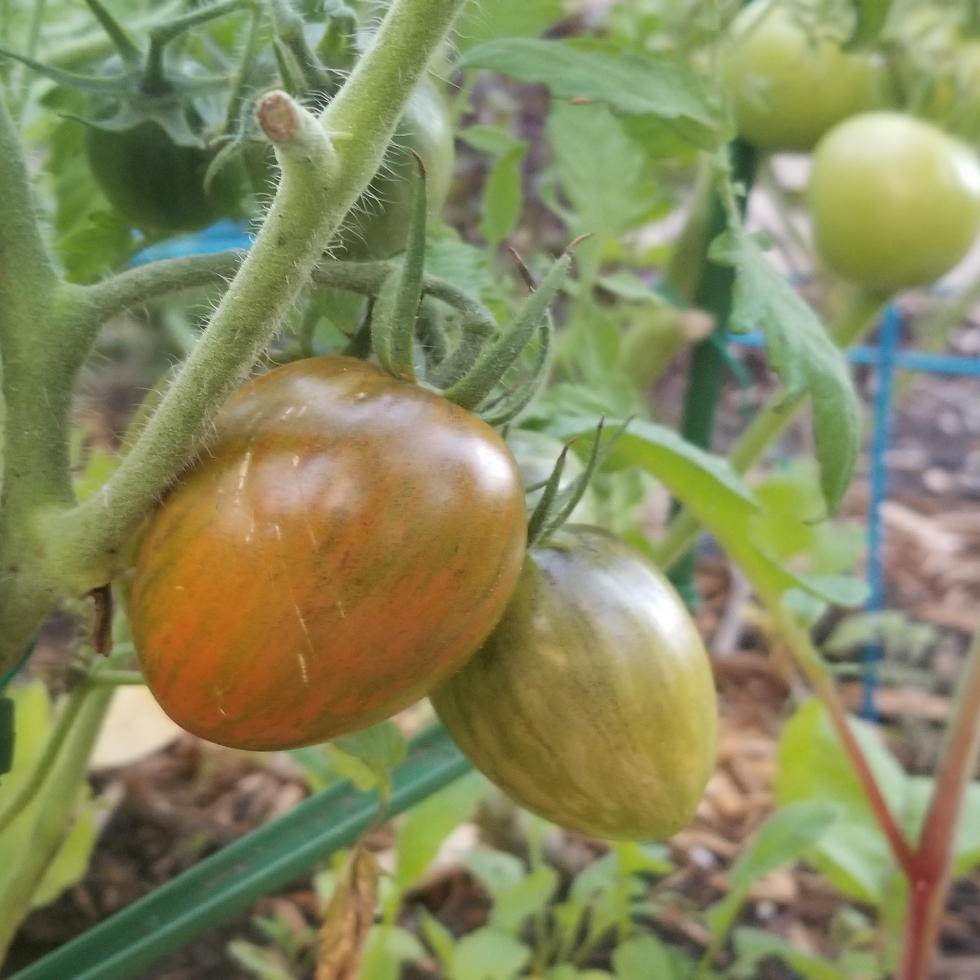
(812, 765)
(642, 958)
(489, 955)
(587, 140)
(801, 353)
(428, 825)
(752, 945)
(783, 837)
(513, 906)
(481, 22)
(870, 19)
(631, 84)
(503, 197)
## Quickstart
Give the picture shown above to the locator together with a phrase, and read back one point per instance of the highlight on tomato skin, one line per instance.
(345, 543)
(592, 703)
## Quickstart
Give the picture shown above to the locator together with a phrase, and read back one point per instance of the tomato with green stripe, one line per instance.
(343, 544)
(592, 703)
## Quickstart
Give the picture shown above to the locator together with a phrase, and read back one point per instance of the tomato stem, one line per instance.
(326, 164)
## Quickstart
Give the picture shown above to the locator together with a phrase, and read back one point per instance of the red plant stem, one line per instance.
(934, 856)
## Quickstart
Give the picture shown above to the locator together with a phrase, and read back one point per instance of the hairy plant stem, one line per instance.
(55, 806)
(36, 474)
(765, 429)
(929, 885)
(51, 547)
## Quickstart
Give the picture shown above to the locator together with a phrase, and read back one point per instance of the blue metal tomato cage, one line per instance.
(887, 358)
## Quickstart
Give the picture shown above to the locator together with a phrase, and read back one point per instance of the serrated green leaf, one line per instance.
(630, 84)
(491, 139)
(588, 140)
(480, 22)
(800, 352)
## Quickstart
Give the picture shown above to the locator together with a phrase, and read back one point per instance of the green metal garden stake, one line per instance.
(228, 882)
(706, 373)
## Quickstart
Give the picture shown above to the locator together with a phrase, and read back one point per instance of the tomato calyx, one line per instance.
(483, 371)
(144, 91)
(557, 503)
(148, 139)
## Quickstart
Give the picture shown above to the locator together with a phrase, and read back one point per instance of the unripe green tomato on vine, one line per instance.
(790, 86)
(158, 185)
(345, 542)
(592, 703)
(895, 201)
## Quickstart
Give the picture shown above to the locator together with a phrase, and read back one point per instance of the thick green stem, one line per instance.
(706, 372)
(326, 165)
(55, 808)
(36, 402)
(766, 428)
(928, 889)
(144, 283)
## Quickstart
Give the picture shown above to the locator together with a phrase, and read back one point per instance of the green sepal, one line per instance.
(471, 390)
(537, 525)
(569, 498)
(508, 406)
(393, 332)
(476, 334)
(121, 41)
(92, 84)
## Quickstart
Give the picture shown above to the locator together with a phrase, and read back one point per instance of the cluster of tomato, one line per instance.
(894, 198)
(363, 544)
(364, 541)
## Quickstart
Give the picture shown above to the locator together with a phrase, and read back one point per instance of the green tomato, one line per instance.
(895, 201)
(592, 702)
(789, 84)
(158, 185)
(378, 224)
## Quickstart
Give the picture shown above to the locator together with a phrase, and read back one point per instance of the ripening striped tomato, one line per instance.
(592, 703)
(345, 542)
